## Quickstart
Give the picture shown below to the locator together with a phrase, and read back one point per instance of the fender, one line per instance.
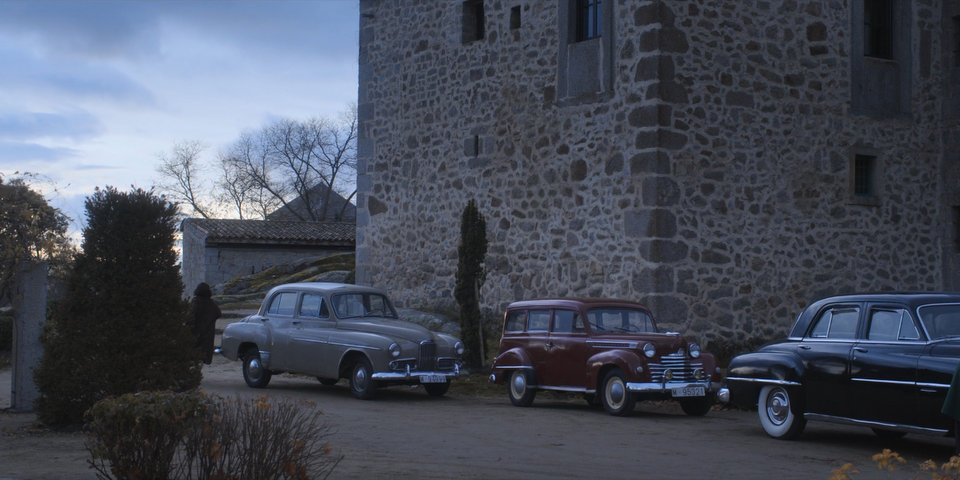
(512, 359)
(626, 360)
(749, 372)
(252, 329)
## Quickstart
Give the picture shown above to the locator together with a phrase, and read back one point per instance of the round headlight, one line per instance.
(459, 348)
(649, 350)
(694, 350)
(394, 350)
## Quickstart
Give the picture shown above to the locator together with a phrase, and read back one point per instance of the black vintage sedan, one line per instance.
(883, 361)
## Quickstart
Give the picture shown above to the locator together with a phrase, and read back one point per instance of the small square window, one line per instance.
(864, 179)
(864, 171)
(473, 21)
(515, 18)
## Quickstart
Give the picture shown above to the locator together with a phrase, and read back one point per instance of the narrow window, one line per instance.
(589, 19)
(473, 21)
(878, 28)
(515, 18)
(956, 41)
(956, 228)
(863, 176)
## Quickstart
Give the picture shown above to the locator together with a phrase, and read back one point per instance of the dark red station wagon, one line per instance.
(609, 350)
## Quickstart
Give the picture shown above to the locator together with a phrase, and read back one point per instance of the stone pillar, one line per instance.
(30, 307)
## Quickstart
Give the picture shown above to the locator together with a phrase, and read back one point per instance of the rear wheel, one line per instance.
(616, 399)
(254, 372)
(519, 389)
(361, 380)
(779, 414)
(436, 389)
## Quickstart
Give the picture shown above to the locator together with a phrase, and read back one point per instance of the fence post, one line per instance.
(30, 313)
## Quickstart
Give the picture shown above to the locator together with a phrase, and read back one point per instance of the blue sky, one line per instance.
(92, 92)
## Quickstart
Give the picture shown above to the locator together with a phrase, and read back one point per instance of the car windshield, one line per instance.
(352, 305)
(941, 321)
(620, 320)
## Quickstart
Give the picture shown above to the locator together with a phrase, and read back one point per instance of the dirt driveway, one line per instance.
(406, 434)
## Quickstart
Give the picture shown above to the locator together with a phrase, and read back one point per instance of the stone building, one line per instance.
(217, 250)
(724, 162)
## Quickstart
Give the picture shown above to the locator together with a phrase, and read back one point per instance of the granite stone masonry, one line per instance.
(724, 162)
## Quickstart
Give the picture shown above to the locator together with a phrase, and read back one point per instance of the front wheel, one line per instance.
(436, 389)
(779, 415)
(616, 399)
(361, 380)
(254, 372)
(520, 391)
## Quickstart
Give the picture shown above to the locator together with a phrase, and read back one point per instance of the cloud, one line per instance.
(16, 155)
(75, 125)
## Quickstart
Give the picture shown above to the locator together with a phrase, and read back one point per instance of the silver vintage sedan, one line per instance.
(333, 331)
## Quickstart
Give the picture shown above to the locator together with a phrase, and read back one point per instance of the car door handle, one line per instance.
(805, 347)
(860, 349)
(549, 346)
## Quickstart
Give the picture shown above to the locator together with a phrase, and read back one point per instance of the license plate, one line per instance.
(432, 379)
(688, 392)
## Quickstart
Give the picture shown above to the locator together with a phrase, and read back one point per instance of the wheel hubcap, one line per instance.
(360, 377)
(255, 369)
(615, 393)
(778, 407)
(519, 384)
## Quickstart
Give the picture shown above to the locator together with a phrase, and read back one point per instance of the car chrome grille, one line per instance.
(428, 356)
(680, 366)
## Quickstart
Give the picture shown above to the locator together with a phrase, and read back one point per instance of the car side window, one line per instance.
(837, 323)
(891, 324)
(516, 321)
(283, 304)
(538, 321)
(313, 306)
(567, 321)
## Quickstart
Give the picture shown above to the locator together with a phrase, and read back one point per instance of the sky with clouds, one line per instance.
(92, 92)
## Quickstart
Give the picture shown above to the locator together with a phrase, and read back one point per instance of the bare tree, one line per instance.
(306, 168)
(180, 171)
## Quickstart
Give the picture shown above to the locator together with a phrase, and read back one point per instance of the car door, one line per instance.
(883, 366)
(566, 351)
(538, 326)
(311, 336)
(825, 350)
(279, 318)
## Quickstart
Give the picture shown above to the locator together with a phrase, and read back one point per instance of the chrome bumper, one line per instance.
(414, 374)
(666, 387)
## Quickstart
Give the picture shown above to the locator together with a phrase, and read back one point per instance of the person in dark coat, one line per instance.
(951, 407)
(205, 315)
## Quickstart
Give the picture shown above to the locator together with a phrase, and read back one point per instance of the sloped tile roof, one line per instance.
(261, 232)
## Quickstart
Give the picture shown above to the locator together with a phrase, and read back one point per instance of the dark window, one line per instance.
(516, 321)
(589, 17)
(956, 228)
(539, 321)
(863, 176)
(878, 28)
(891, 325)
(837, 323)
(515, 18)
(313, 305)
(956, 41)
(567, 321)
(473, 21)
(283, 304)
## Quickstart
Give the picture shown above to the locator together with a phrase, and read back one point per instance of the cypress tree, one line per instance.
(470, 276)
(122, 326)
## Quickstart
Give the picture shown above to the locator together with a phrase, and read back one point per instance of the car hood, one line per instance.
(660, 340)
(397, 329)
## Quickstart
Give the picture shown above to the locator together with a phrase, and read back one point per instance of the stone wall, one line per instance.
(711, 181)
